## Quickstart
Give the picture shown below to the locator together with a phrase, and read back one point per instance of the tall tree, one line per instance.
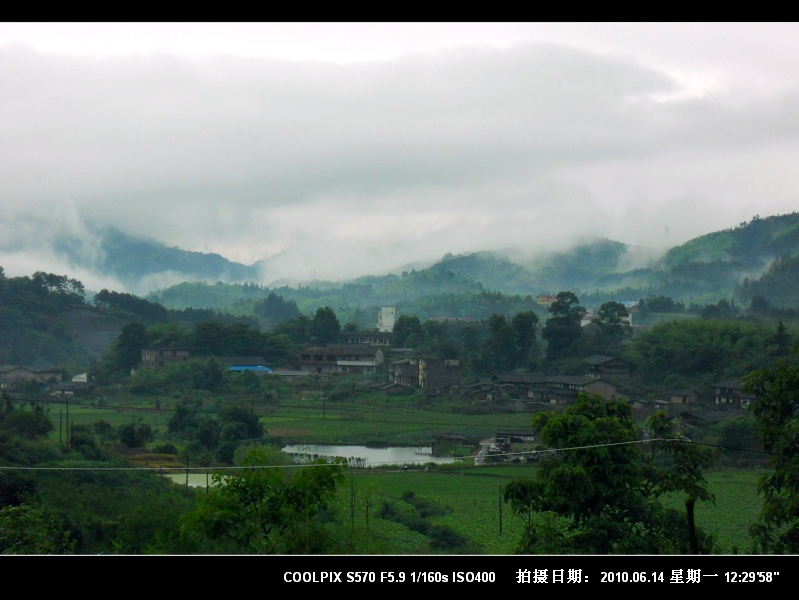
(595, 491)
(677, 466)
(613, 321)
(776, 411)
(499, 347)
(268, 509)
(125, 352)
(563, 327)
(325, 327)
(780, 342)
(523, 326)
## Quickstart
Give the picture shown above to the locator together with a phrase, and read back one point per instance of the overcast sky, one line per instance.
(347, 149)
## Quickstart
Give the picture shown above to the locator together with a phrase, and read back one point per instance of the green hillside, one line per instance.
(749, 245)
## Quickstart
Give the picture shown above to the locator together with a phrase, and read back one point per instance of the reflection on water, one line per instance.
(365, 456)
(193, 479)
(357, 457)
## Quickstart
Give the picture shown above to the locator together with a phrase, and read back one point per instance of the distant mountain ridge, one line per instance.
(132, 260)
(749, 244)
(705, 268)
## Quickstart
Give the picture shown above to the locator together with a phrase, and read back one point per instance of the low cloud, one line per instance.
(333, 171)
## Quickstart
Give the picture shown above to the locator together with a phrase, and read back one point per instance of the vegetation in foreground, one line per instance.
(67, 489)
(83, 502)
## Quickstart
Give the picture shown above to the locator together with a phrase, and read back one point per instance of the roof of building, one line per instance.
(256, 368)
(729, 383)
(291, 373)
(600, 359)
(572, 380)
(515, 377)
(243, 361)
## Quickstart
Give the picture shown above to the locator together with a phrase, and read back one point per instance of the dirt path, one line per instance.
(484, 446)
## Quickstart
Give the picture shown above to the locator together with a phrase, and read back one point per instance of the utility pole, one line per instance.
(500, 510)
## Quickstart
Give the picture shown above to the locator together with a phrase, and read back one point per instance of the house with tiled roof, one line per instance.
(341, 358)
(730, 393)
(611, 368)
(564, 389)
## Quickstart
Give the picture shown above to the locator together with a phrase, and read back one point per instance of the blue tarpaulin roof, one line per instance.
(250, 368)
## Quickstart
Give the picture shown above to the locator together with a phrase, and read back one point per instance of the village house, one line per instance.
(373, 338)
(439, 374)
(433, 375)
(404, 372)
(515, 384)
(158, 358)
(13, 376)
(730, 393)
(681, 396)
(610, 368)
(564, 389)
(342, 358)
(385, 320)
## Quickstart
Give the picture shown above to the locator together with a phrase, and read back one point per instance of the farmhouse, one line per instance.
(564, 389)
(611, 368)
(432, 374)
(13, 376)
(374, 338)
(681, 396)
(729, 392)
(341, 358)
(157, 358)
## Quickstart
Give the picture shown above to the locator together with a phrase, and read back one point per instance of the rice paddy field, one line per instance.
(463, 497)
(472, 499)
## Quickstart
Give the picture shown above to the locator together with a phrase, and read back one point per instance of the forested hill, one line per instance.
(702, 270)
(721, 264)
(727, 264)
(32, 320)
(591, 264)
(751, 245)
(135, 260)
(47, 321)
(428, 293)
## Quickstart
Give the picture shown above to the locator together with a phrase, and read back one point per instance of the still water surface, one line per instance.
(367, 456)
(357, 456)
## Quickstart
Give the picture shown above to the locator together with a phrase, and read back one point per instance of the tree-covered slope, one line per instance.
(715, 265)
(131, 258)
(748, 246)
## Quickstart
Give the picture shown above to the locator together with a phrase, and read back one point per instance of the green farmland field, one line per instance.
(465, 498)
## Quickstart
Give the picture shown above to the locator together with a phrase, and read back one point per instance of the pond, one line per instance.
(357, 456)
(367, 456)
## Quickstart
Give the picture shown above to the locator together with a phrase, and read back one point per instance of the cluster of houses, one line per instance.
(15, 378)
(363, 353)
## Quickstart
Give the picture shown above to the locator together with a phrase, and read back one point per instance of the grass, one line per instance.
(736, 508)
(362, 419)
(469, 495)
(472, 499)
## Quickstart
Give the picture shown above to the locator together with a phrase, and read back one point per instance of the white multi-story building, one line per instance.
(385, 320)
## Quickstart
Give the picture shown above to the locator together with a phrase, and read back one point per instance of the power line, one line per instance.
(162, 470)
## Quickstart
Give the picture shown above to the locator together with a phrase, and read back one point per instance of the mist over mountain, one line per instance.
(706, 268)
(134, 264)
